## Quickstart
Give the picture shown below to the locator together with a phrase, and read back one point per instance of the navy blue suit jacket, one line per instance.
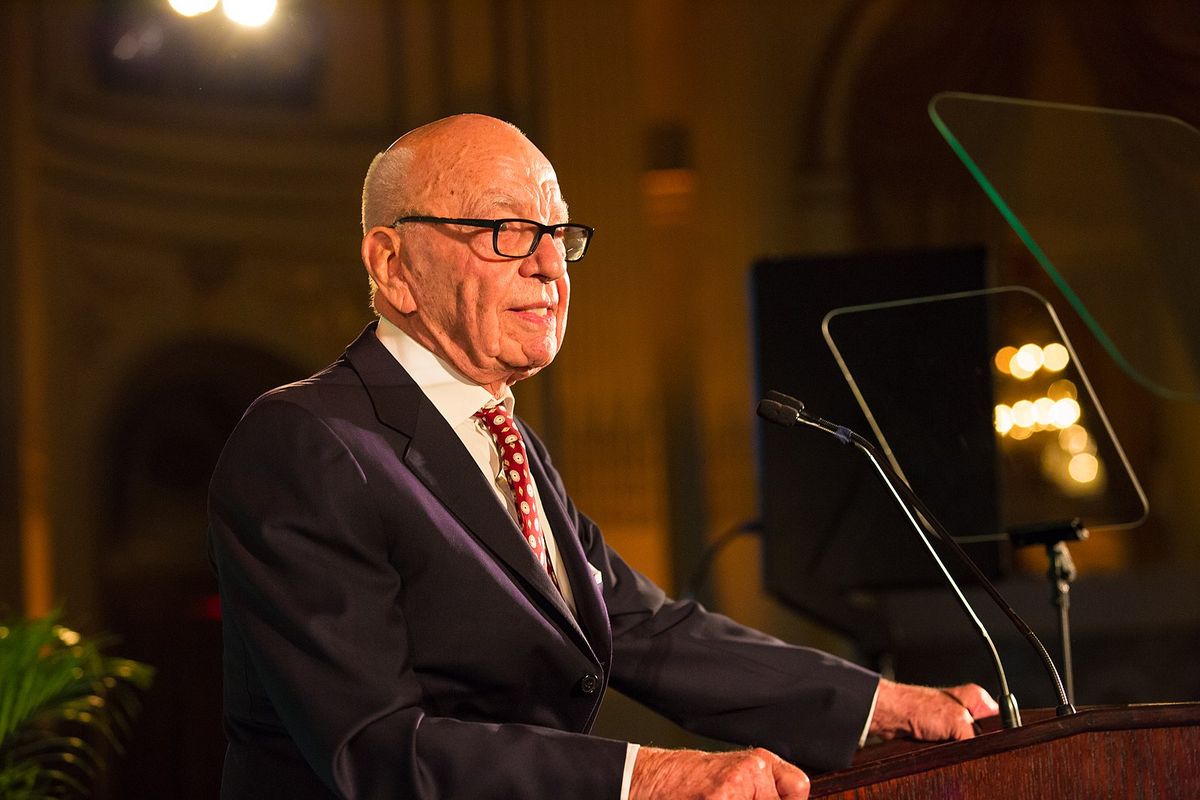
(389, 635)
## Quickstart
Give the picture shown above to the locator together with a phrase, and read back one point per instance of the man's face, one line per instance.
(496, 320)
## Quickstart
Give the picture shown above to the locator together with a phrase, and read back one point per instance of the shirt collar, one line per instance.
(455, 397)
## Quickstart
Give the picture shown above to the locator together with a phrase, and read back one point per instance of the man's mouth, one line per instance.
(539, 310)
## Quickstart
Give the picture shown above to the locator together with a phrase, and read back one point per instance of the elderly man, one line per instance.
(413, 606)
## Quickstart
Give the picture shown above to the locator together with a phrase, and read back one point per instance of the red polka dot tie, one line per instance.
(514, 462)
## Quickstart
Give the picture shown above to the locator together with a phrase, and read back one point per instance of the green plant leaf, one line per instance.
(60, 697)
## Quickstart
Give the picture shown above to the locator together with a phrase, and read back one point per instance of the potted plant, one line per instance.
(64, 708)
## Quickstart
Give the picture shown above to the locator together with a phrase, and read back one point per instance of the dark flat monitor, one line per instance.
(834, 537)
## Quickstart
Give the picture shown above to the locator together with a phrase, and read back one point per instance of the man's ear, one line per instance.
(382, 255)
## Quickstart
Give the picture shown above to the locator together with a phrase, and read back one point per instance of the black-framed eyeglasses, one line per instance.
(518, 238)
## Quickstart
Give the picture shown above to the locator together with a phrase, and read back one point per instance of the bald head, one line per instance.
(436, 164)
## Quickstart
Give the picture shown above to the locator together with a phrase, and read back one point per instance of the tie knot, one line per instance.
(496, 419)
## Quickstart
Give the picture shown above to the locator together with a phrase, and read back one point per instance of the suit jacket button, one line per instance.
(589, 684)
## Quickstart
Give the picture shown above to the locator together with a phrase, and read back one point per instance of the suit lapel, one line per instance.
(588, 594)
(437, 457)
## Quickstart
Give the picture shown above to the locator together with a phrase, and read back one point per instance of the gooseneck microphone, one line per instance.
(787, 411)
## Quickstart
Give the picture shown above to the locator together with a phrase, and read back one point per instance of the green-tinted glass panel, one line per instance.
(1109, 204)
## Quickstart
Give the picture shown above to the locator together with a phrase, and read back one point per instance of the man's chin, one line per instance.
(520, 373)
(527, 367)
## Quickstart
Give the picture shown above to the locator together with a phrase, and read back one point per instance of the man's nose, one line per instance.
(547, 262)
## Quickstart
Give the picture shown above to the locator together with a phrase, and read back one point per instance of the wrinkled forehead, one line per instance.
(533, 196)
(505, 177)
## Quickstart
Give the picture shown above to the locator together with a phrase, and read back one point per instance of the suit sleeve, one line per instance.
(721, 679)
(310, 606)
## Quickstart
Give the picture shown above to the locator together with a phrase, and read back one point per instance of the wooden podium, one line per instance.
(1142, 751)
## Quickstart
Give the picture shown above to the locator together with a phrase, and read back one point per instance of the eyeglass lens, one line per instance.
(517, 239)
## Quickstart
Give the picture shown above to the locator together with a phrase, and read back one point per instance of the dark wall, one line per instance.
(10, 543)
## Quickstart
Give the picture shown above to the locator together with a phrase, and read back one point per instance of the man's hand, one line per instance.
(695, 775)
(928, 714)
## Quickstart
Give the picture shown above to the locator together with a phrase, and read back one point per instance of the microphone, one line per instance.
(781, 409)
(786, 410)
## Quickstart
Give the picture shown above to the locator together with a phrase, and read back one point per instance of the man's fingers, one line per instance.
(742, 775)
(929, 714)
(974, 703)
(975, 699)
(790, 782)
(964, 726)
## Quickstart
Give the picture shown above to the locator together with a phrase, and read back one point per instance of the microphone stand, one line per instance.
(787, 411)
(1061, 573)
